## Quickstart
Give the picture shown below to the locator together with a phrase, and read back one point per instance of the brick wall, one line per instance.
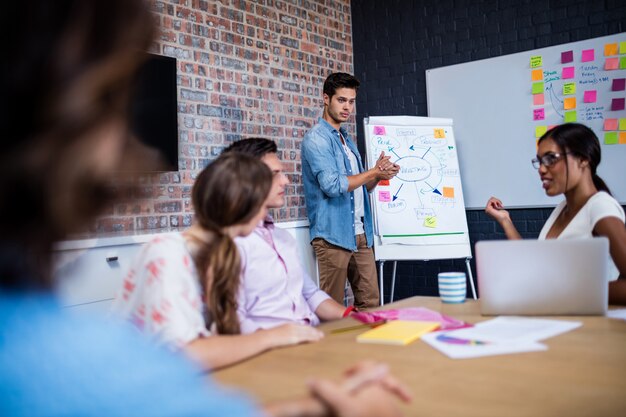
(245, 68)
(395, 41)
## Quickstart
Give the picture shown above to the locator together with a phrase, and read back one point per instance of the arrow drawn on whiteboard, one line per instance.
(391, 150)
(425, 153)
(553, 97)
(412, 147)
(396, 194)
(436, 191)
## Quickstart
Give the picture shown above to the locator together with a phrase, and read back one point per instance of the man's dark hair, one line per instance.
(257, 147)
(340, 80)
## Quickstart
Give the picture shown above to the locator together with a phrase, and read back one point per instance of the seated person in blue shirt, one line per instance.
(568, 156)
(71, 64)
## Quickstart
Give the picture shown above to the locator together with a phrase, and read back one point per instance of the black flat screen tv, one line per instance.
(154, 110)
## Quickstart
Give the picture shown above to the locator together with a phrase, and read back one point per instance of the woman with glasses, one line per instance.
(567, 158)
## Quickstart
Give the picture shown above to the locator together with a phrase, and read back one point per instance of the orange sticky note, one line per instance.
(538, 99)
(622, 138)
(383, 182)
(569, 103)
(448, 192)
(611, 64)
(536, 75)
(610, 49)
(440, 134)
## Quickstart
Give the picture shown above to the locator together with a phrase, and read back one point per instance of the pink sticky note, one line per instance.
(611, 64)
(588, 55)
(379, 130)
(567, 56)
(610, 124)
(384, 196)
(590, 96)
(619, 84)
(568, 72)
(617, 104)
(539, 114)
(538, 99)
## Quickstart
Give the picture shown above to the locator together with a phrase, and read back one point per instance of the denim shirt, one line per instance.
(325, 171)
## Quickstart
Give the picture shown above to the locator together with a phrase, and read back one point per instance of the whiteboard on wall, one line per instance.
(420, 213)
(492, 105)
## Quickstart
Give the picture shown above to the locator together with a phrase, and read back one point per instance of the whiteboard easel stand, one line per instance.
(393, 279)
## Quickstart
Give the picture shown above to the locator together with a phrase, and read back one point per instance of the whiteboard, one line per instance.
(491, 103)
(420, 213)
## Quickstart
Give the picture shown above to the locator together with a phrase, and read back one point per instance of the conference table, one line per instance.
(583, 372)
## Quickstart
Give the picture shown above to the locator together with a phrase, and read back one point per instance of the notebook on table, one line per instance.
(543, 277)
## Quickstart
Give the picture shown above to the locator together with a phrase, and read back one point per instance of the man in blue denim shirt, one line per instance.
(335, 189)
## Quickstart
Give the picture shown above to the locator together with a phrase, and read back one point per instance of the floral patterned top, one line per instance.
(161, 294)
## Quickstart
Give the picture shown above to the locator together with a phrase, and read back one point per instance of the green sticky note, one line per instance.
(536, 61)
(540, 130)
(570, 116)
(622, 124)
(622, 62)
(569, 88)
(610, 138)
(538, 88)
(622, 47)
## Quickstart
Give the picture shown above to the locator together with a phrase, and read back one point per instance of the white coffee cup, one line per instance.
(452, 287)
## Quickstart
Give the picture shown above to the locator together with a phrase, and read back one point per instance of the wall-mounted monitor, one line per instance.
(154, 110)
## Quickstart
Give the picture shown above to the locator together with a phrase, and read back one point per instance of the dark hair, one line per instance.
(340, 80)
(581, 142)
(229, 191)
(71, 65)
(257, 147)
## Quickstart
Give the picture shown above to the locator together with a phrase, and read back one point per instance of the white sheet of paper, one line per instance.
(617, 314)
(458, 351)
(512, 329)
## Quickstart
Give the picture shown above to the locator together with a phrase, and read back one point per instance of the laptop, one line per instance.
(543, 277)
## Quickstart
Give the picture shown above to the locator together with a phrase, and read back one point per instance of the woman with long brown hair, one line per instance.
(182, 289)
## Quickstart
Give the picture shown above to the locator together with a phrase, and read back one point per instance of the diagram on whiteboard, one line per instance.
(423, 204)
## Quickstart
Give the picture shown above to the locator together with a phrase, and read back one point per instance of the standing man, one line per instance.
(274, 287)
(335, 189)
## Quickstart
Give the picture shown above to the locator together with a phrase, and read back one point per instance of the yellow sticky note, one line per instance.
(397, 332)
(430, 221)
(569, 88)
(537, 88)
(611, 138)
(622, 138)
(440, 134)
(622, 124)
(569, 103)
(622, 47)
(536, 61)
(448, 192)
(622, 62)
(536, 75)
(610, 49)
(540, 130)
(570, 116)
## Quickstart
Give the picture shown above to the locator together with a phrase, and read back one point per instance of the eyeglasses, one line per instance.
(548, 159)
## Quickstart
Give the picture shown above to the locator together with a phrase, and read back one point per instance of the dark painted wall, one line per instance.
(396, 41)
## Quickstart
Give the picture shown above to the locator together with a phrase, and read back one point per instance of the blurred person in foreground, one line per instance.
(71, 63)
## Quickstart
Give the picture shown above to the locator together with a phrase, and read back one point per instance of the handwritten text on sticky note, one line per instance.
(379, 130)
(539, 114)
(430, 221)
(440, 134)
(384, 196)
(536, 61)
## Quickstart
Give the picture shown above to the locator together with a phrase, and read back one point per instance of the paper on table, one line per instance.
(617, 314)
(472, 350)
(411, 313)
(499, 336)
(510, 329)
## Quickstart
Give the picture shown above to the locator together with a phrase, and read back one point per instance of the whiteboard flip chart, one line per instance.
(423, 205)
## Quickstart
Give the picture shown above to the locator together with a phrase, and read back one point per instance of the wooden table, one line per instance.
(583, 373)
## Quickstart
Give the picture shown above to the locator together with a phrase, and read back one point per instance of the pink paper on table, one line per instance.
(588, 55)
(411, 314)
(590, 96)
(568, 72)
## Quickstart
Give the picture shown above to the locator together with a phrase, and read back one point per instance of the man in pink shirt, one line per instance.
(275, 289)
